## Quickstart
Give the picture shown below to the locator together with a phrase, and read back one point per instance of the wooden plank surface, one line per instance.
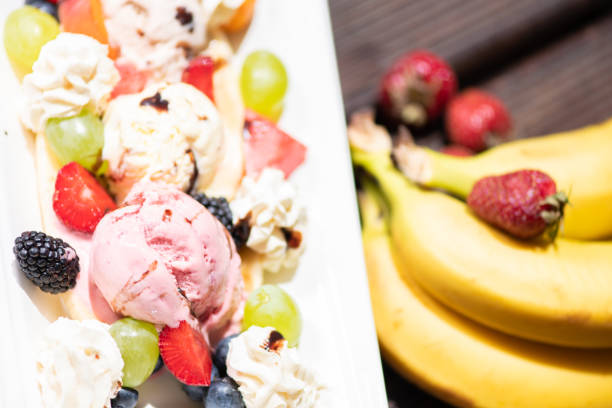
(550, 61)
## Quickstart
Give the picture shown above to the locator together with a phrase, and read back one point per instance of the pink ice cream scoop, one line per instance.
(164, 258)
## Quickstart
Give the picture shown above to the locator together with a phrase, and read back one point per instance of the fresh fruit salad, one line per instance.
(166, 197)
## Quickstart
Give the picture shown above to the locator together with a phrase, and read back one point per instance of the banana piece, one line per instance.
(579, 162)
(557, 294)
(252, 269)
(463, 362)
(229, 103)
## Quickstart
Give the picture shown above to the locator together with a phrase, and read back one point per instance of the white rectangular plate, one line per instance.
(330, 287)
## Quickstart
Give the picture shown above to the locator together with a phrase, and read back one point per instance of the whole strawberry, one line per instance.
(417, 87)
(524, 203)
(477, 120)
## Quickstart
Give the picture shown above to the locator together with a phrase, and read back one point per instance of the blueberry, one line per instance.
(198, 393)
(158, 365)
(126, 398)
(220, 355)
(195, 392)
(223, 393)
(45, 6)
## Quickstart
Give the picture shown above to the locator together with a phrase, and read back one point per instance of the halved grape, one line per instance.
(26, 30)
(263, 82)
(138, 343)
(79, 138)
(271, 306)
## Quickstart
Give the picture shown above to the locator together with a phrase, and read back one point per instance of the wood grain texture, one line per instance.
(485, 41)
(550, 61)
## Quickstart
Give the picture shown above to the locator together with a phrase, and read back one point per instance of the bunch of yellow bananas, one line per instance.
(437, 273)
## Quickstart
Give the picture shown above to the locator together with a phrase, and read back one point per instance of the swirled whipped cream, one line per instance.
(167, 133)
(156, 36)
(79, 365)
(73, 71)
(277, 219)
(269, 373)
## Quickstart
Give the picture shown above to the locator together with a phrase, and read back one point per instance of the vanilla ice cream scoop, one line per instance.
(270, 374)
(73, 71)
(156, 36)
(168, 133)
(78, 365)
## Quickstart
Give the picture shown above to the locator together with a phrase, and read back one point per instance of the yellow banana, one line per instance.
(580, 162)
(463, 362)
(558, 294)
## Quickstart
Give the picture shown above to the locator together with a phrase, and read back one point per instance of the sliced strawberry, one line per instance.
(186, 354)
(132, 80)
(199, 73)
(79, 200)
(268, 146)
(85, 17)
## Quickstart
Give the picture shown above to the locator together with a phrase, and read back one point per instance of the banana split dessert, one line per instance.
(166, 197)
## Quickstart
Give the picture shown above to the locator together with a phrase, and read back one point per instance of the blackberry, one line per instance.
(50, 263)
(219, 207)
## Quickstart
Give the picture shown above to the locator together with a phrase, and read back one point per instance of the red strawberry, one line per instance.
(457, 150)
(268, 146)
(79, 200)
(477, 120)
(417, 87)
(199, 73)
(524, 203)
(186, 354)
(132, 80)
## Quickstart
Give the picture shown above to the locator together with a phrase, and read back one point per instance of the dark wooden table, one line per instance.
(550, 61)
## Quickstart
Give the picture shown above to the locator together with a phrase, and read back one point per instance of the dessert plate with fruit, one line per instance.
(179, 226)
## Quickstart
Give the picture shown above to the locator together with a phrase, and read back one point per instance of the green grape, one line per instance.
(26, 30)
(78, 138)
(138, 343)
(271, 306)
(263, 82)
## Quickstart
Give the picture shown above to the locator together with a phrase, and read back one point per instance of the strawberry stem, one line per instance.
(414, 114)
(553, 214)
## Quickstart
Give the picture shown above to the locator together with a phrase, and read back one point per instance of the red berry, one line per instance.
(457, 150)
(132, 80)
(200, 73)
(268, 146)
(79, 200)
(477, 120)
(186, 354)
(417, 87)
(524, 203)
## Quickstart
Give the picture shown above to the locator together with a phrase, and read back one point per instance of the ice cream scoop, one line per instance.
(163, 258)
(168, 133)
(156, 36)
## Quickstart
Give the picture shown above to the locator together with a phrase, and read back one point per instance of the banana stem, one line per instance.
(451, 173)
(381, 167)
